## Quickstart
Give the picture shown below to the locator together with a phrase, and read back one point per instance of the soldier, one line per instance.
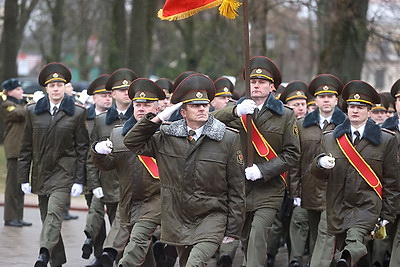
(223, 92)
(13, 115)
(309, 191)
(166, 85)
(104, 184)
(201, 170)
(139, 182)
(391, 100)
(362, 181)
(266, 178)
(378, 111)
(55, 142)
(393, 124)
(295, 97)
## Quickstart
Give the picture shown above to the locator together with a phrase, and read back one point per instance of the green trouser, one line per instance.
(274, 237)
(395, 257)
(324, 249)
(51, 209)
(196, 255)
(118, 236)
(13, 195)
(379, 248)
(353, 241)
(255, 235)
(95, 224)
(228, 248)
(138, 248)
(298, 234)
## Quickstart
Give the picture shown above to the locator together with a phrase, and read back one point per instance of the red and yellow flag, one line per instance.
(182, 9)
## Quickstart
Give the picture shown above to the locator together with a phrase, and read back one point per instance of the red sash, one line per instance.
(151, 165)
(261, 145)
(359, 164)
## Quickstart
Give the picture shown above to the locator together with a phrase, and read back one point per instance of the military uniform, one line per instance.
(202, 193)
(264, 196)
(354, 200)
(55, 143)
(12, 112)
(309, 188)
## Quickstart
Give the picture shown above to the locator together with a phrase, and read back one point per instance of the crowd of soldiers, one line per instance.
(171, 165)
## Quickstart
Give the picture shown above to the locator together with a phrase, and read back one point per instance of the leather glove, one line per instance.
(227, 239)
(168, 111)
(37, 95)
(104, 147)
(297, 201)
(98, 192)
(326, 162)
(253, 173)
(246, 107)
(382, 222)
(76, 190)
(26, 188)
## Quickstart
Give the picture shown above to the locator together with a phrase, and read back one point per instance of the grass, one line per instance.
(3, 169)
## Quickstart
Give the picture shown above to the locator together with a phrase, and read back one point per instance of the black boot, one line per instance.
(225, 260)
(87, 248)
(108, 257)
(96, 262)
(43, 258)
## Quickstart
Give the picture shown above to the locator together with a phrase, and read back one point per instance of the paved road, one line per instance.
(19, 246)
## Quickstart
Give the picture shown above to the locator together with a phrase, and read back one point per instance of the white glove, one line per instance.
(382, 222)
(104, 147)
(98, 192)
(327, 162)
(26, 188)
(37, 95)
(253, 173)
(76, 190)
(246, 107)
(168, 111)
(83, 97)
(297, 201)
(227, 239)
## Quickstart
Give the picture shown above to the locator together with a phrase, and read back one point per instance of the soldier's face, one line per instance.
(102, 101)
(358, 114)
(220, 101)
(196, 113)
(378, 116)
(16, 93)
(261, 88)
(299, 107)
(326, 103)
(121, 96)
(397, 103)
(55, 91)
(142, 108)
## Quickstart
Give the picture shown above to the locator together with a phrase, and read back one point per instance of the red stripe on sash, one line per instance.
(151, 165)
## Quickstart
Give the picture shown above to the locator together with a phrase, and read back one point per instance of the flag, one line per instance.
(181, 9)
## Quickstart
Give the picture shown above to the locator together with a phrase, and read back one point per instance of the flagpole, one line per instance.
(246, 58)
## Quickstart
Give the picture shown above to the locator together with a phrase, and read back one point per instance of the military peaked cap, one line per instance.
(325, 84)
(294, 90)
(54, 72)
(194, 89)
(145, 90)
(264, 68)
(360, 93)
(120, 79)
(98, 86)
(223, 87)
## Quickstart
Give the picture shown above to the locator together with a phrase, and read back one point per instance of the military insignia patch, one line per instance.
(125, 82)
(142, 94)
(199, 95)
(239, 157)
(295, 130)
(10, 108)
(55, 75)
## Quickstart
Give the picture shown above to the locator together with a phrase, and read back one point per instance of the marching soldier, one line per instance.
(223, 93)
(13, 115)
(266, 178)
(55, 144)
(362, 179)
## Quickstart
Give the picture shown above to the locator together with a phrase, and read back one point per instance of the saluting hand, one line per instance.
(168, 111)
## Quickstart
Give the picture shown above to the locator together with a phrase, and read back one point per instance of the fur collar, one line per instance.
(273, 104)
(372, 131)
(312, 118)
(391, 123)
(128, 125)
(13, 99)
(214, 129)
(67, 105)
(112, 115)
(91, 113)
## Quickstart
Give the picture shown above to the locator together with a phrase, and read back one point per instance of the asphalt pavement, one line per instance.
(19, 247)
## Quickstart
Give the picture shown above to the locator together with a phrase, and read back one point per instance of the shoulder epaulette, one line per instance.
(388, 131)
(328, 131)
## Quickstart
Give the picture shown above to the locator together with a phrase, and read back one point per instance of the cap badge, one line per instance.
(325, 87)
(356, 96)
(125, 82)
(142, 95)
(258, 71)
(226, 89)
(299, 93)
(199, 95)
(55, 75)
(378, 105)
